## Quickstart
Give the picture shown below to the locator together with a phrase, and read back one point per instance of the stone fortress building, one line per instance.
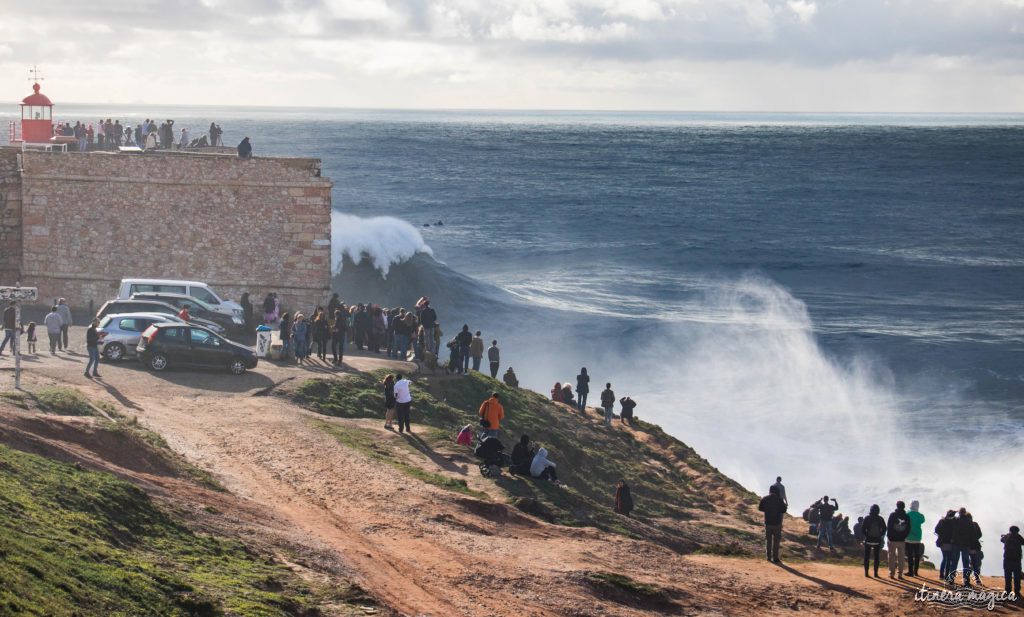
(74, 224)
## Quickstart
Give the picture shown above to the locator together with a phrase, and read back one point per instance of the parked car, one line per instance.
(151, 306)
(196, 308)
(178, 344)
(200, 291)
(119, 333)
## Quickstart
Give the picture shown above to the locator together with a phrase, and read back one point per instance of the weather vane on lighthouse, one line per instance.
(35, 74)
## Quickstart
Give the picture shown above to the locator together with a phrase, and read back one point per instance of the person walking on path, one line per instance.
(826, 511)
(623, 498)
(491, 414)
(773, 508)
(465, 341)
(92, 345)
(65, 315)
(53, 323)
(10, 325)
(897, 529)
(944, 540)
(782, 490)
(915, 547)
(1012, 543)
(583, 389)
(389, 402)
(403, 401)
(608, 402)
(874, 531)
(476, 350)
(494, 357)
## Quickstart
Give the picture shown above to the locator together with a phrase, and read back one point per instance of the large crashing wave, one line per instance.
(383, 240)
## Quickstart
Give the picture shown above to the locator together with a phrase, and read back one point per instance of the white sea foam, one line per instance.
(384, 240)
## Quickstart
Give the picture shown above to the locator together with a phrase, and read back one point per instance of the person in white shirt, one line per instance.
(403, 400)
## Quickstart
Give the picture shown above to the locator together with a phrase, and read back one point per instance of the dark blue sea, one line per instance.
(838, 300)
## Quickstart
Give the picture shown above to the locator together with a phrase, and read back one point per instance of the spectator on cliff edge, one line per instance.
(494, 357)
(245, 149)
(476, 349)
(65, 315)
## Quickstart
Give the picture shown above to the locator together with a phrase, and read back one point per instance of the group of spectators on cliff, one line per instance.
(562, 392)
(110, 135)
(957, 535)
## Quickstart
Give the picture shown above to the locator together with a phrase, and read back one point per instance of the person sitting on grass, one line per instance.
(543, 468)
(522, 457)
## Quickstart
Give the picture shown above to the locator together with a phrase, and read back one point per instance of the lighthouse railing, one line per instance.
(14, 132)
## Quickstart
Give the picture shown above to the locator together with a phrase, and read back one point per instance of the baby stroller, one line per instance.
(493, 457)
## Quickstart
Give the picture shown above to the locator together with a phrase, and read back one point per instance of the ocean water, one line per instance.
(838, 300)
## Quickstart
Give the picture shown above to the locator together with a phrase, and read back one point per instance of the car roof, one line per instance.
(146, 295)
(171, 318)
(161, 282)
(145, 300)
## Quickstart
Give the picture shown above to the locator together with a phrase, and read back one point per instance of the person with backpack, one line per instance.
(825, 512)
(944, 542)
(491, 414)
(1012, 543)
(874, 530)
(915, 547)
(897, 530)
(773, 508)
(608, 402)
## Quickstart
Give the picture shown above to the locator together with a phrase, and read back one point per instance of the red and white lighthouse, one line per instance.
(36, 118)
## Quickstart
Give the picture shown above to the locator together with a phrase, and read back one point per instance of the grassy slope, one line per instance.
(670, 482)
(79, 542)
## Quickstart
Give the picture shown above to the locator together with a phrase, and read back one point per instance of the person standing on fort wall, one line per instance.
(245, 149)
(65, 315)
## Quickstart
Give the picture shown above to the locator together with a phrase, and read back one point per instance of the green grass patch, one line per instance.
(590, 457)
(15, 398)
(368, 442)
(80, 543)
(63, 401)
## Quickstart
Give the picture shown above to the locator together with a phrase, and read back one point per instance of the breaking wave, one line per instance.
(382, 240)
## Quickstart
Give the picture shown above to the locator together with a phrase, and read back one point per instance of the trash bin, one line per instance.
(263, 338)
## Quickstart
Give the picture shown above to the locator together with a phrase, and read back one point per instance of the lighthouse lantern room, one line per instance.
(36, 117)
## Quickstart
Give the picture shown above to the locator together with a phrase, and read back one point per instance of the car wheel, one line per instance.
(237, 366)
(158, 362)
(114, 352)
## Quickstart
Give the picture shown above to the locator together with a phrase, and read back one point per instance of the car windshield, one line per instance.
(204, 295)
(182, 301)
(105, 321)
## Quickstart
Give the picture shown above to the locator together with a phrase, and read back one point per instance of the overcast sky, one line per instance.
(757, 55)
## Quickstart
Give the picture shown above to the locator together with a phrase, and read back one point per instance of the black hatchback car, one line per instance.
(175, 344)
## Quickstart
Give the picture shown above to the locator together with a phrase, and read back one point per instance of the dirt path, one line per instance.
(426, 551)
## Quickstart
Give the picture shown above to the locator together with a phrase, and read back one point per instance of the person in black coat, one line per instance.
(944, 540)
(963, 538)
(874, 529)
(245, 149)
(897, 530)
(522, 456)
(1012, 543)
(623, 498)
(773, 508)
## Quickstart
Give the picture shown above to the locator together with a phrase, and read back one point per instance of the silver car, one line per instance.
(119, 334)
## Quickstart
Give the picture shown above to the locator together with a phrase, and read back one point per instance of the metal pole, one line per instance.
(17, 347)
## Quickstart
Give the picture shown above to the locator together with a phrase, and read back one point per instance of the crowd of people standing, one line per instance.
(110, 135)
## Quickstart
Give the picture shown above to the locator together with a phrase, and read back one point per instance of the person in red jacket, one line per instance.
(491, 414)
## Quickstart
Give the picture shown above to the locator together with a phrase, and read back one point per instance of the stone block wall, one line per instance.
(10, 217)
(90, 219)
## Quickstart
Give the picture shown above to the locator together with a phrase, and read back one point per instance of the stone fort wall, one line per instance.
(87, 220)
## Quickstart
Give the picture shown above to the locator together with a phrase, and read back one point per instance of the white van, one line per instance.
(200, 291)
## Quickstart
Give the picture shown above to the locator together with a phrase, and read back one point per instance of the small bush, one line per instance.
(63, 401)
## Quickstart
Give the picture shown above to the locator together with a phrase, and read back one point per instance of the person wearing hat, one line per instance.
(915, 547)
(1012, 543)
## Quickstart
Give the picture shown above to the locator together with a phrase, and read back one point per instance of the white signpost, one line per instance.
(21, 294)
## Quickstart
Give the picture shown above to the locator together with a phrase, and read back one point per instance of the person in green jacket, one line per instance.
(915, 547)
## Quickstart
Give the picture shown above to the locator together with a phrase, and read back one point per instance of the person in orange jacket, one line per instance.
(491, 414)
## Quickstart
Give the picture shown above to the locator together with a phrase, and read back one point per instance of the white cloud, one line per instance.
(804, 9)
